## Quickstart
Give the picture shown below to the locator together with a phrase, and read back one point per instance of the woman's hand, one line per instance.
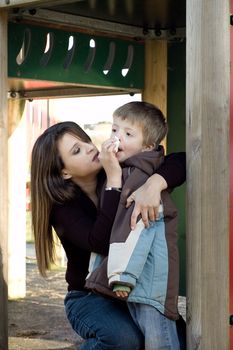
(110, 164)
(147, 200)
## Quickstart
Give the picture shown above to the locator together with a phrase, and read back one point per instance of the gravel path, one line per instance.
(39, 321)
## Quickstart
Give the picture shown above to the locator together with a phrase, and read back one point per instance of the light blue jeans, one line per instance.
(105, 323)
(160, 332)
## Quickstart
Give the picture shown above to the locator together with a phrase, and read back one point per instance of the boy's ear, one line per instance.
(65, 174)
(148, 148)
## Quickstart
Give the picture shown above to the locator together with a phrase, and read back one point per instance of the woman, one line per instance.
(66, 179)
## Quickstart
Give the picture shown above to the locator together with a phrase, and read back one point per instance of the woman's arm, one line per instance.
(172, 173)
(173, 170)
(82, 225)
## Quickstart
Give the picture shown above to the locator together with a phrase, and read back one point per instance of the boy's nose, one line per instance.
(118, 134)
(118, 137)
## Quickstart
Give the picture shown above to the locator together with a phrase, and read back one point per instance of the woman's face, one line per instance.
(80, 158)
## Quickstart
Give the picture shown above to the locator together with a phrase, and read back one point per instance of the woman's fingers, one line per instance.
(109, 145)
(145, 218)
(143, 207)
(134, 216)
(130, 200)
(152, 213)
(139, 210)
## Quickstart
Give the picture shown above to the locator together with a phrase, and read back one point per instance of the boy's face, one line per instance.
(130, 136)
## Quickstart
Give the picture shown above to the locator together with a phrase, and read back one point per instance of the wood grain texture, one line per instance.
(207, 126)
(155, 85)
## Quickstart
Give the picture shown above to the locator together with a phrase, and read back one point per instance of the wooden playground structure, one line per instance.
(177, 54)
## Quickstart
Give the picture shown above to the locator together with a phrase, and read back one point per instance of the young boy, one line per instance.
(143, 264)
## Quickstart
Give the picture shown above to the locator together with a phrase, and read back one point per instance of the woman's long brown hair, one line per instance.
(49, 187)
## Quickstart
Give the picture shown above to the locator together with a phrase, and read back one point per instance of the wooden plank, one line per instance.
(155, 85)
(207, 126)
(3, 182)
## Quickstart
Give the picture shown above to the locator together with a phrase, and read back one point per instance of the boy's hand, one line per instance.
(122, 294)
(147, 200)
(121, 291)
(110, 163)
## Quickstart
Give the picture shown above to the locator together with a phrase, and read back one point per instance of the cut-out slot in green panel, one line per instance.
(41, 53)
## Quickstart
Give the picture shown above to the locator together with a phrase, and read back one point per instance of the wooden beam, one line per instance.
(68, 91)
(33, 3)
(207, 126)
(3, 183)
(54, 19)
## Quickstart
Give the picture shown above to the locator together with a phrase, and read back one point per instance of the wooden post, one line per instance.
(3, 182)
(16, 200)
(155, 87)
(231, 186)
(155, 90)
(207, 113)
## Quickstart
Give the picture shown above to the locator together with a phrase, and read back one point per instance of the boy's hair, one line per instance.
(149, 117)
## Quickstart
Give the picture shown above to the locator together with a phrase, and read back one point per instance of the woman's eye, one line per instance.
(113, 130)
(76, 150)
(128, 134)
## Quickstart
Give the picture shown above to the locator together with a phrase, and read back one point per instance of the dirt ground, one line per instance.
(38, 321)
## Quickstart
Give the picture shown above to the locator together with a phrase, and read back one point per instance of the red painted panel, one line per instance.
(231, 274)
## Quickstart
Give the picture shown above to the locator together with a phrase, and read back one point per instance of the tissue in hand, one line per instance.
(116, 143)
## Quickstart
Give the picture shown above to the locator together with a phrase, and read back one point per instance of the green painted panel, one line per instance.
(176, 137)
(83, 63)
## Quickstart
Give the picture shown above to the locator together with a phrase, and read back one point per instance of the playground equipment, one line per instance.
(151, 36)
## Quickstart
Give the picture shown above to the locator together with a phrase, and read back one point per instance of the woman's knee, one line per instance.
(123, 340)
(111, 341)
(109, 338)
(102, 321)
